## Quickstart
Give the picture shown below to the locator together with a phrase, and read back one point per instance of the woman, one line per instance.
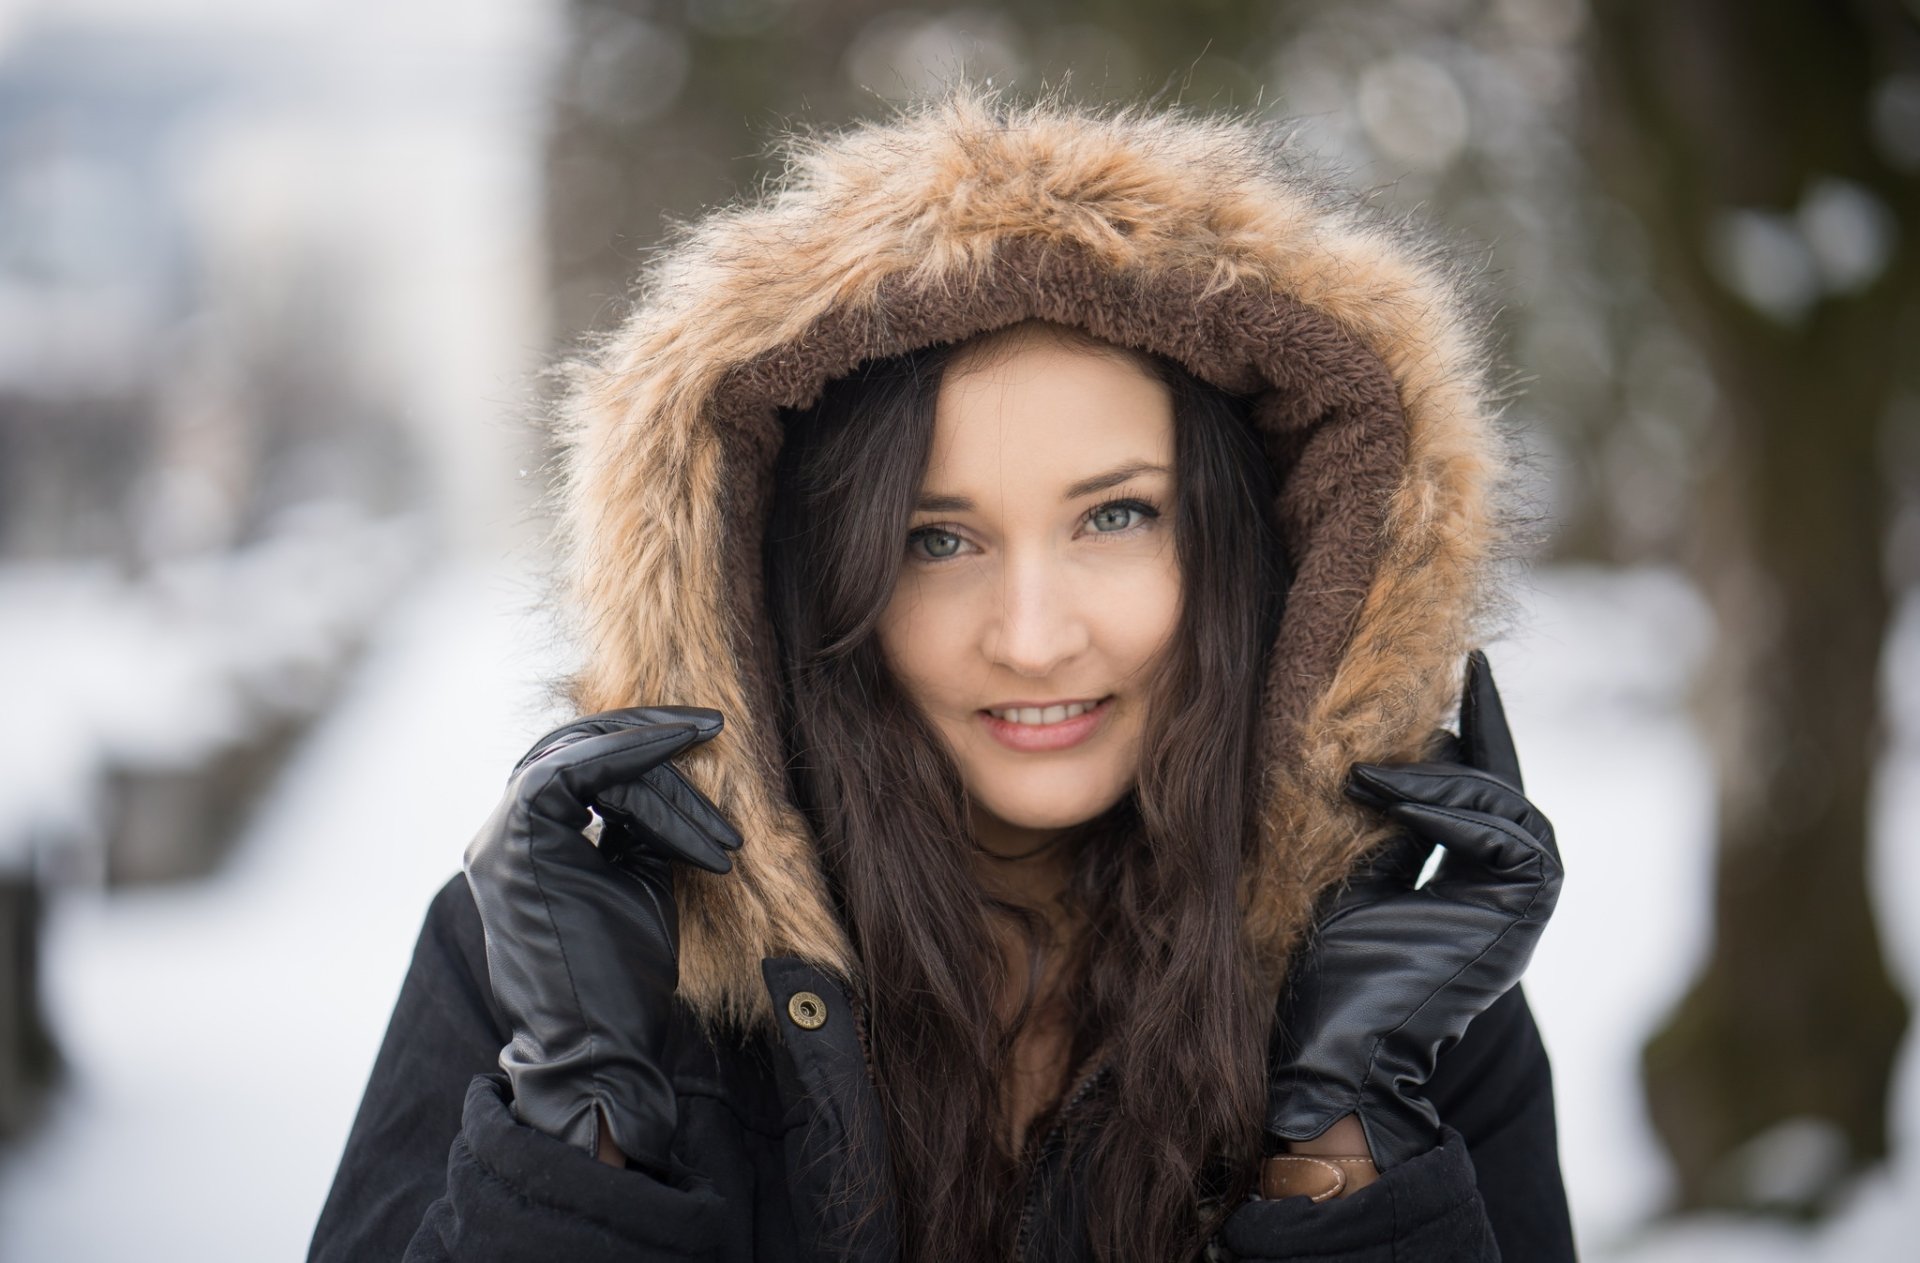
(1025, 562)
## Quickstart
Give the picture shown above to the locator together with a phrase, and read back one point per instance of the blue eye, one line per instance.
(933, 532)
(1145, 510)
(1114, 513)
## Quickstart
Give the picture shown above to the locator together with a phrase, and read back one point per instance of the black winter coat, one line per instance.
(437, 1168)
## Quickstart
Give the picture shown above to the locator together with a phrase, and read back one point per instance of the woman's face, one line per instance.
(1039, 573)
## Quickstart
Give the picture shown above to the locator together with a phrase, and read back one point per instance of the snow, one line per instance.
(197, 656)
(222, 1032)
(1591, 690)
(1596, 690)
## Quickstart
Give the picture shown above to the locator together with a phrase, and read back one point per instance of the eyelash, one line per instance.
(1148, 510)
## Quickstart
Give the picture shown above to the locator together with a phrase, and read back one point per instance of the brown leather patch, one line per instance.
(1316, 1176)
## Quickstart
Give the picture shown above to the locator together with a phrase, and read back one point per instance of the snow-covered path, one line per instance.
(221, 1032)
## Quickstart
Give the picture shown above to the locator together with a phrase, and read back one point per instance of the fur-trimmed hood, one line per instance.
(1205, 238)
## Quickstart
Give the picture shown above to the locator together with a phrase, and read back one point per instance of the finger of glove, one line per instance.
(1483, 724)
(559, 785)
(706, 721)
(1489, 861)
(1391, 867)
(661, 811)
(1445, 785)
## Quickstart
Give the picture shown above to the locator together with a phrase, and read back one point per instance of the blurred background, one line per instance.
(277, 282)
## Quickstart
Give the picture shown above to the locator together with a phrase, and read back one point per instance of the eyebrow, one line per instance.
(1085, 487)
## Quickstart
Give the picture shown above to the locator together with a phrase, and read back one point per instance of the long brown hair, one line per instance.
(1159, 978)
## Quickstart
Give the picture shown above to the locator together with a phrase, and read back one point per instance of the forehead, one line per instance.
(1039, 410)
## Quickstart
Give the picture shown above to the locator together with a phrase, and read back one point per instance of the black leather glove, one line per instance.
(1393, 973)
(583, 940)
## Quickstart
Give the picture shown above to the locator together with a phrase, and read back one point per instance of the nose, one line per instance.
(1040, 625)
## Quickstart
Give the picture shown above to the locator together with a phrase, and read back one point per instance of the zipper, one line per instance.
(859, 1012)
(1049, 1144)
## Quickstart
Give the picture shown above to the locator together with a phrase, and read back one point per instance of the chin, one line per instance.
(1044, 806)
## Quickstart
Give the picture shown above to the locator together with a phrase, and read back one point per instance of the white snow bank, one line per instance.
(221, 1030)
(165, 671)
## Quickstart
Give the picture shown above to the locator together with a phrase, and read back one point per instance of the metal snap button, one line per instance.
(808, 1011)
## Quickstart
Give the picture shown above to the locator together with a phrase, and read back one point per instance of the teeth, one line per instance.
(1050, 715)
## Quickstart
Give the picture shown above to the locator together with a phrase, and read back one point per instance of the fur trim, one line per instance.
(1204, 238)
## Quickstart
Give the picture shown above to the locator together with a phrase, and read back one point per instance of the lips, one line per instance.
(1034, 738)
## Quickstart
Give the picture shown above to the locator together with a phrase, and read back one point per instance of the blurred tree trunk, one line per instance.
(1700, 109)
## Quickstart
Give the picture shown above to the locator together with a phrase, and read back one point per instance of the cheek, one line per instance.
(914, 640)
(1140, 626)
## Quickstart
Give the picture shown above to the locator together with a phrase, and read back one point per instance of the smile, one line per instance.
(1053, 728)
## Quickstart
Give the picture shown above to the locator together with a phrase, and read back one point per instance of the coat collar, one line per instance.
(1203, 238)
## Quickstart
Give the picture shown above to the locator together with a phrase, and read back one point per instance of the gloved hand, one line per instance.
(1393, 973)
(582, 940)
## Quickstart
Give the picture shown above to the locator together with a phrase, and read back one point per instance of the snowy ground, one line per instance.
(195, 657)
(221, 1032)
